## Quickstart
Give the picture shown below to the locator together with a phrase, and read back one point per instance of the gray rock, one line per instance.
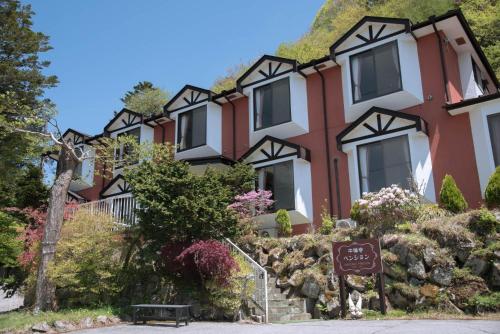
(296, 279)
(389, 240)
(311, 287)
(346, 223)
(86, 322)
(41, 327)
(115, 320)
(495, 275)
(102, 320)
(356, 283)
(276, 254)
(429, 256)
(262, 258)
(63, 326)
(441, 275)
(401, 251)
(463, 250)
(415, 267)
(282, 283)
(414, 281)
(477, 265)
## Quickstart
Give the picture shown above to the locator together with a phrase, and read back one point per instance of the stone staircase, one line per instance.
(282, 308)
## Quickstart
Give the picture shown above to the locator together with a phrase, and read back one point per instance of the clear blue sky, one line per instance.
(103, 48)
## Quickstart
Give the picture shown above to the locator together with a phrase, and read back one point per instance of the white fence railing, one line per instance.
(259, 275)
(122, 208)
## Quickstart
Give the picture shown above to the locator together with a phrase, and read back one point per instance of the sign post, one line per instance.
(360, 257)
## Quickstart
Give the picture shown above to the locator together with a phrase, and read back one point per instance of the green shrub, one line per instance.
(11, 247)
(284, 222)
(492, 192)
(486, 303)
(483, 222)
(327, 223)
(87, 264)
(451, 197)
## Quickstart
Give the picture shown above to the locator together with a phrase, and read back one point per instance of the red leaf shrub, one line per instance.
(171, 265)
(211, 259)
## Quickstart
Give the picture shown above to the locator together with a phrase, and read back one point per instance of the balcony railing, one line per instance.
(122, 208)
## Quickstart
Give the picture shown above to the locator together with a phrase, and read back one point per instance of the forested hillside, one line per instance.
(335, 17)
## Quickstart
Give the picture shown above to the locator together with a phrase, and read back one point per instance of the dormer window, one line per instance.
(123, 150)
(192, 129)
(375, 72)
(272, 104)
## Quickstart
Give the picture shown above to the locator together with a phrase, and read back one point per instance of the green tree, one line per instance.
(451, 197)
(177, 205)
(145, 98)
(22, 85)
(284, 222)
(492, 191)
(27, 190)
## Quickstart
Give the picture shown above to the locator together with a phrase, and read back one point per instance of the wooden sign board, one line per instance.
(360, 257)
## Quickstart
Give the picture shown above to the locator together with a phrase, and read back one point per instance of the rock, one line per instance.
(86, 323)
(403, 296)
(396, 271)
(345, 223)
(388, 240)
(323, 248)
(311, 287)
(262, 258)
(495, 275)
(401, 251)
(357, 283)
(296, 279)
(63, 326)
(463, 249)
(276, 254)
(102, 320)
(429, 290)
(477, 265)
(441, 275)
(115, 320)
(309, 262)
(278, 267)
(282, 283)
(416, 282)
(41, 327)
(429, 255)
(416, 267)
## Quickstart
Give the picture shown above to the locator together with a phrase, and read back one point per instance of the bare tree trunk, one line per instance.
(45, 291)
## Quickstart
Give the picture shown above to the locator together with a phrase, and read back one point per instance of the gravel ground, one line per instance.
(315, 327)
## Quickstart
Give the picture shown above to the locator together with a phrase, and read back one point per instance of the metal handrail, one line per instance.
(260, 297)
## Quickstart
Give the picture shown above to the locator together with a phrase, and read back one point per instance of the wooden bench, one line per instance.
(181, 313)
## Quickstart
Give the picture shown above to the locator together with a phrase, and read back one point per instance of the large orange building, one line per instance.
(392, 102)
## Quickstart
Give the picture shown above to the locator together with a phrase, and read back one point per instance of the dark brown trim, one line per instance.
(268, 76)
(419, 125)
(233, 109)
(194, 100)
(300, 151)
(127, 124)
(210, 160)
(111, 183)
(444, 73)
(469, 102)
(327, 140)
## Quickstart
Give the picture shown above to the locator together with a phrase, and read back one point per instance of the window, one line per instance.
(278, 178)
(272, 104)
(494, 126)
(384, 163)
(77, 174)
(192, 129)
(478, 78)
(375, 72)
(123, 150)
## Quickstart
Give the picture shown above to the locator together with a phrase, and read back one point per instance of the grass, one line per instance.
(420, 315)
(16, 320)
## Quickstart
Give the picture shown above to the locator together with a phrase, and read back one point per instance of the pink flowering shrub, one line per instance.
(211, 259)
(253, 203)
(386, 208)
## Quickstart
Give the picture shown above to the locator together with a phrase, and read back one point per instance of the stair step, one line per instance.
(287, 303)
(286, 309)
(289, 317)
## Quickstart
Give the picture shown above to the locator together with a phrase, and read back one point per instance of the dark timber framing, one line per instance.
(382, 129)
(78, 137)
(193, 98)
(125, 189)
(371, 37)
(272, 72)
(277, 145)
(132, 119)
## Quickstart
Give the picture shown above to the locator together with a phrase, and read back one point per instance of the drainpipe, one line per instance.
(441, 56)
(337, 188)
(327, 142)
(234, 126)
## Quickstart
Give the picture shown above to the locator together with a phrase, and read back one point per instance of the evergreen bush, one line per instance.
(451, 197)
(492, 192)
(284, 222)
(327, 223)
